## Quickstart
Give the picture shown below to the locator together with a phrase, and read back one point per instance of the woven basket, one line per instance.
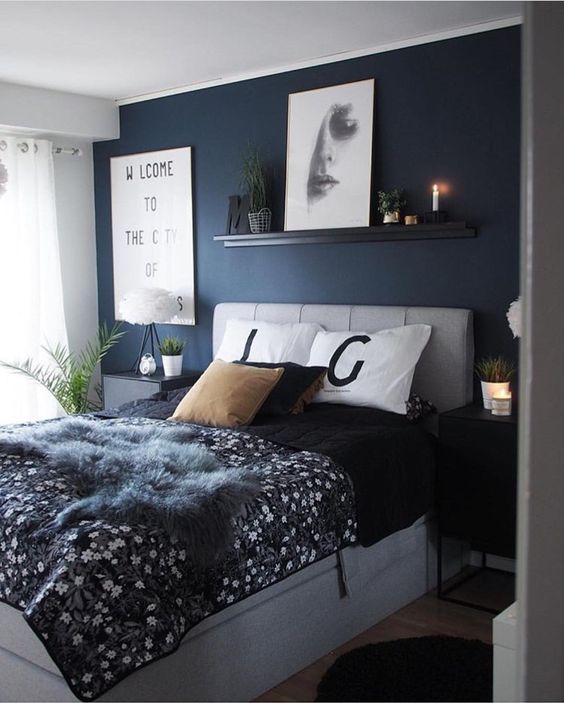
(260, 221)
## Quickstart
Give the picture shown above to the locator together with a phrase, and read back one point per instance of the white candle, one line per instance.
(435, 197)
(501, 403)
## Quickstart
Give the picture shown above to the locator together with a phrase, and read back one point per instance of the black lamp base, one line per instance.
(149, 336)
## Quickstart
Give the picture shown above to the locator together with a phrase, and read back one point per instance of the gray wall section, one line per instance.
(541, 522)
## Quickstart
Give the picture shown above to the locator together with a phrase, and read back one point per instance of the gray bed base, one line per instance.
(251, 646)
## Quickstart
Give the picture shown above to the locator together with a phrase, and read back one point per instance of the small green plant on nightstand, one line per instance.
(390, 203)
(171, 346)
(494, 369)
(171, 349)
(494, 373)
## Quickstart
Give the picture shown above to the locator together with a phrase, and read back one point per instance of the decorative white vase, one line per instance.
(490, 389)
(172, 365)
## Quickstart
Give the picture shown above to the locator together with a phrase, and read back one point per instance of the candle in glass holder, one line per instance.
(435, 198)
(501, 403)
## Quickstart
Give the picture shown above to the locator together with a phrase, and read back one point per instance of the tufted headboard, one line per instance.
(444, 372)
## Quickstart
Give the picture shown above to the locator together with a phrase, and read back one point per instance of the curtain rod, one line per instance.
(68, 150)
(65, 150)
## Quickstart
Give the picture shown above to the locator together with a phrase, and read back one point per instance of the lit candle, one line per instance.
(435, 197)
(501, 403)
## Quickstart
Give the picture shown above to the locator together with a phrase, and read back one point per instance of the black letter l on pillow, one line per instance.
(248, 345)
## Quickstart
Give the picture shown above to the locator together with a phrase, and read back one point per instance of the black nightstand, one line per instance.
(477, 483)
(122, 387)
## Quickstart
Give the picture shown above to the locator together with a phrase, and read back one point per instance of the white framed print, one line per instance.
(152, 226)
(329, 157)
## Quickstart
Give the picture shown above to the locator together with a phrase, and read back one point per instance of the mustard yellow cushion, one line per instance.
(227, 395)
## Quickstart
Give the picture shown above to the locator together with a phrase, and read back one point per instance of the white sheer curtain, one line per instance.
(31, 294)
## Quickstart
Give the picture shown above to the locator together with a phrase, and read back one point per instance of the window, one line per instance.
(31, 296)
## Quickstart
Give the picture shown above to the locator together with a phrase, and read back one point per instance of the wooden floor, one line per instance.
(425, 616)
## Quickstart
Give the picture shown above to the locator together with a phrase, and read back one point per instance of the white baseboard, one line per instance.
(501, 563)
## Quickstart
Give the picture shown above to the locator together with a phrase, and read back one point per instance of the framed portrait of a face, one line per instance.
(329, 157)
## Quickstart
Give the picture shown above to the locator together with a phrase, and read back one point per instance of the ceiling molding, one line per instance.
(332, 58)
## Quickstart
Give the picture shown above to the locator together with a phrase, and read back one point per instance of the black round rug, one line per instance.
(414, 669)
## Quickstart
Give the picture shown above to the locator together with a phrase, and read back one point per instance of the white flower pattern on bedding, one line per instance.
(106, 599)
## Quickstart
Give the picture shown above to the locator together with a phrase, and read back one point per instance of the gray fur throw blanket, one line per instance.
(141, 474)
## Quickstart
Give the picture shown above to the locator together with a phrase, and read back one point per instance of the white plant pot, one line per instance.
(172, 365)
(490, 389)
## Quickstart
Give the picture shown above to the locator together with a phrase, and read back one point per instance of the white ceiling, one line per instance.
(129, 48)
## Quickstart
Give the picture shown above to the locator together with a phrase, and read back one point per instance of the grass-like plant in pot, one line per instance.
(254, 183)
(68, 376)
(171, 349)
(390, 203)
(494, 373)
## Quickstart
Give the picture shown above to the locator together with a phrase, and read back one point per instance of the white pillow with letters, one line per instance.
(374, 370)
(253, 340)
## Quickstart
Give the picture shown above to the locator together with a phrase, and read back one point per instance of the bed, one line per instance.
(242, 650)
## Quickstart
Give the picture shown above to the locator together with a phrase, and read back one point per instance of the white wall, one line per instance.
(540, 572)
(74, 188)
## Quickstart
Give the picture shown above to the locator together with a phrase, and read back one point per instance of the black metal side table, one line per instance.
(476, 486)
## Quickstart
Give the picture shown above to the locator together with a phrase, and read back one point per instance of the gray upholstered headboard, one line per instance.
(444, 372)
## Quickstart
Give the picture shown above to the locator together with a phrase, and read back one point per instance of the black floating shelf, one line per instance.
(348, 235)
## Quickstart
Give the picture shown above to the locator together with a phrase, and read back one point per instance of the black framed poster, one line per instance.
(153, 239)
(329, 157)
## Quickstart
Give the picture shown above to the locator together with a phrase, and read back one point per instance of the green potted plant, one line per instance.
(69, 376)
(254, 183)
(494, 373)
(389, 205)
(171, 349)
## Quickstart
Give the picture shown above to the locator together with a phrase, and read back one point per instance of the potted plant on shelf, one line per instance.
(253, 177)
(389, 205)
(494, 373)
(171, 349)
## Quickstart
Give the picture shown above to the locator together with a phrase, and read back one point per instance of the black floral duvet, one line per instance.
(106, 599)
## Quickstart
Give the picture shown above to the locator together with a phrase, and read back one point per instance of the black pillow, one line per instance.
(295, 389)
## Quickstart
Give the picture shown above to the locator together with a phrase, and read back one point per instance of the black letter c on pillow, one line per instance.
(363, 338)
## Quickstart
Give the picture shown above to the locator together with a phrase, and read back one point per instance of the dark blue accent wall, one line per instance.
(447, 111)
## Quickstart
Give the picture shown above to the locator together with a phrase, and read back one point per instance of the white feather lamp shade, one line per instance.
(515, 317)
(144, 306)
